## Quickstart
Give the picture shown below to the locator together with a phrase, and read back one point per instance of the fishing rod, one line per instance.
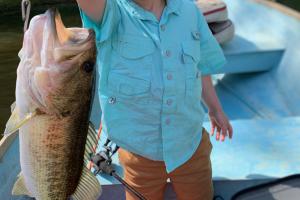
(102, 163)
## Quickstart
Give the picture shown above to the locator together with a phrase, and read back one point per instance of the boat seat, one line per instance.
(213, 10)
(247, 55)
(223, 31)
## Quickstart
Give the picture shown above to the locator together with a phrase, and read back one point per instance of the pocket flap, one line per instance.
(192, 48)
(128, 85)
(134, 47)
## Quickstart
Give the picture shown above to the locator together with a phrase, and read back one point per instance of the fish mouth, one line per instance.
(68, 42)
(65, 35)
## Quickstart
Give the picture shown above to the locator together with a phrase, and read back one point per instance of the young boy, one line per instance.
(154, 61)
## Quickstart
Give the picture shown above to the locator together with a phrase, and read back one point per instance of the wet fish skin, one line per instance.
(54, 81)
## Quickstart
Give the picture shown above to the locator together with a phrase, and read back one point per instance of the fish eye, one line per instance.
(88, 66)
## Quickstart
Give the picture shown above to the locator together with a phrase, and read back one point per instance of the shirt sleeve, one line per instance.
(212, 56)
(105, 27)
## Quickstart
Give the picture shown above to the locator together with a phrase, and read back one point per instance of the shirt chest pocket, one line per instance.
(133, 56)
(190, 60)
(129, 77)
(125, 86)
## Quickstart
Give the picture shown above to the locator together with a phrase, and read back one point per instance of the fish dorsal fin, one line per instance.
(15, 122)
(91, 143)
(19, 187)
(88, 188)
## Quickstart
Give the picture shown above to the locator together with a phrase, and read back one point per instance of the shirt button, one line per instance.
(168, 121)
(169, 102)
(168, 53)
(163, 27)
(169, 76)
(112, 100)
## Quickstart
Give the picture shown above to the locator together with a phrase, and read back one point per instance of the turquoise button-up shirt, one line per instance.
(149, 74)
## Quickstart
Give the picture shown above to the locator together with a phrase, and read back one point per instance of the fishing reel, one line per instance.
(102, 163)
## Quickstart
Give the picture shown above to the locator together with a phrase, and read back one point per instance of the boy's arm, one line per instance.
(218, 119)
(93, 8)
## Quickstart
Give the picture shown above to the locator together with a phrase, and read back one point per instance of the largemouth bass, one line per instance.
(53, 99)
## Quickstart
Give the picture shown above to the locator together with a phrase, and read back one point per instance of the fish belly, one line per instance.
(51, 156)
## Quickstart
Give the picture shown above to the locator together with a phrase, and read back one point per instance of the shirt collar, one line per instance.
(173, 6)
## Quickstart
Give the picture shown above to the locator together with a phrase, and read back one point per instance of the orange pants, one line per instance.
(191, 181)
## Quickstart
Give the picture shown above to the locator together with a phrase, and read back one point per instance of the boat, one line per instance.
(260, 93)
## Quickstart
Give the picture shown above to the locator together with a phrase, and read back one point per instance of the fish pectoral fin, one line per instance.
(88, 188)
(15, 122)
(91, 144)
(19, 187)
(12, 126)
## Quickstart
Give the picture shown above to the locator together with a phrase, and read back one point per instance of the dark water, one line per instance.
(10, 43)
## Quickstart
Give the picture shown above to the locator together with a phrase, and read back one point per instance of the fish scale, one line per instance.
(49, 151)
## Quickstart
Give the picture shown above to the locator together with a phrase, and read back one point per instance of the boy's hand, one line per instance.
(220, 123)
